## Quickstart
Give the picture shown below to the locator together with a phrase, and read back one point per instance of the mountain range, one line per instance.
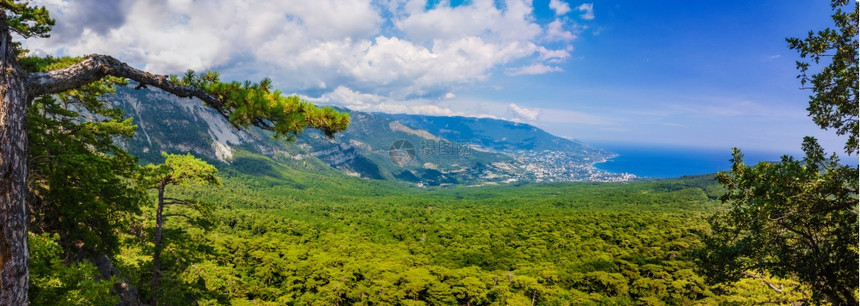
(416, 149)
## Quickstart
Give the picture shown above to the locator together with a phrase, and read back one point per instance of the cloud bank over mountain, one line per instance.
(705, 74)
(385, 55)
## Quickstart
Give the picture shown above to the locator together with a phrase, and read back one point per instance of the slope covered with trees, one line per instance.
(278, 234)
(375, 242)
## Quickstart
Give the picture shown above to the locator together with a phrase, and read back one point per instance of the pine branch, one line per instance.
(95, 67)
(242, 105)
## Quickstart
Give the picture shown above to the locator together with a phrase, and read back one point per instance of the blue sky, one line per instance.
(712, 74)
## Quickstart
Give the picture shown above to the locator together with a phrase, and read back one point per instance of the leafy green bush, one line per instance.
(54, 283)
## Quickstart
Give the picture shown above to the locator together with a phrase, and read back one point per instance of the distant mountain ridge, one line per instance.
(431, 150)
(494, 134)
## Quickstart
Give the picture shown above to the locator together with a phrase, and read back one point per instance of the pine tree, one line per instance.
(243, 104)
(181, 170)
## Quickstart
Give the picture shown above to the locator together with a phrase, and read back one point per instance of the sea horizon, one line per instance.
(655, 161)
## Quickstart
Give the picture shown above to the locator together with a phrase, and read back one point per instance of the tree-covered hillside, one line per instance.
(290, 237)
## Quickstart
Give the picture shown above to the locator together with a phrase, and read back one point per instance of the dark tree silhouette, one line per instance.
(798, 218)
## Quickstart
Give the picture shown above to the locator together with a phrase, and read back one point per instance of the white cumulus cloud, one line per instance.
(364, 53)
(355, 100)
(587, 10)
(556, 31)
(560, 7)
(528, 114)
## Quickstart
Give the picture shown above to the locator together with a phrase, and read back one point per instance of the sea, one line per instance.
(670, 162)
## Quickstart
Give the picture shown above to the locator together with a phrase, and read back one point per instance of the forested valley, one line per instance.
(85, 222)
(276, 235)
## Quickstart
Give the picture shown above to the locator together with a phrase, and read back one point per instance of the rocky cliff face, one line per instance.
(171, 124)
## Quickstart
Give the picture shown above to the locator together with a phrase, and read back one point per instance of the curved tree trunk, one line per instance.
(14, 256)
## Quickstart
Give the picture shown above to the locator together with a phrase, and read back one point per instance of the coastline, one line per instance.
(672, 162)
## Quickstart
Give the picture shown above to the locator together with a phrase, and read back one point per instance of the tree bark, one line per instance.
(156, 257)
(14, 256)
